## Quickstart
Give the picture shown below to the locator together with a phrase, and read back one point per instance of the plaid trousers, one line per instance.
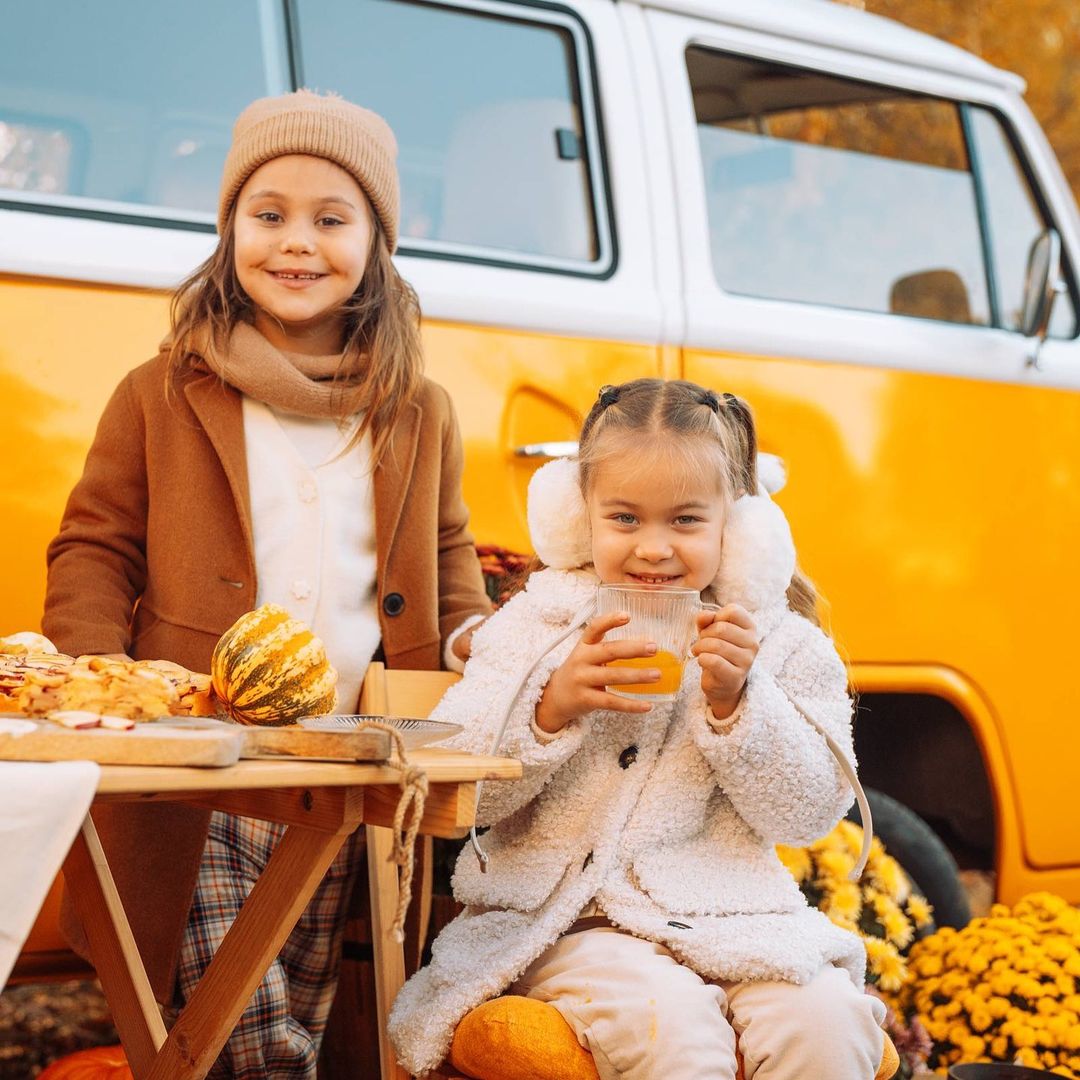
(279, 1033)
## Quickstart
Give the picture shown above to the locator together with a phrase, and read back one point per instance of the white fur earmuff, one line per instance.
(771, 472)
(758, 557)
(557, 515)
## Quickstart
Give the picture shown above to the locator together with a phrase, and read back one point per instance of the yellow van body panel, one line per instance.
(512, 389)
(926, 508)
(65, 347)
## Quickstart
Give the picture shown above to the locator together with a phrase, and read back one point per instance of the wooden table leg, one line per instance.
(276, 903)
(388, 954)
(119, 966)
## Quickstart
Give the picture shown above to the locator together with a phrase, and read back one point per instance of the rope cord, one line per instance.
(414, 791)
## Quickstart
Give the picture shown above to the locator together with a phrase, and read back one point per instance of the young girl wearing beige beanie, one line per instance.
(283, 446)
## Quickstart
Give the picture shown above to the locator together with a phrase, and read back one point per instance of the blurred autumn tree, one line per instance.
(1038, 39)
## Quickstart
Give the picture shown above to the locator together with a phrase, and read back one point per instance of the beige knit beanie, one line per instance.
(323, 125)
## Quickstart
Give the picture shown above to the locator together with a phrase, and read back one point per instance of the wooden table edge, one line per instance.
(441, 767)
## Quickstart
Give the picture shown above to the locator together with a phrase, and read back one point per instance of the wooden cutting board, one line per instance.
(293, 741)
(145, 744)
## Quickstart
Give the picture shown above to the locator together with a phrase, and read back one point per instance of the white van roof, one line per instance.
(834, 25)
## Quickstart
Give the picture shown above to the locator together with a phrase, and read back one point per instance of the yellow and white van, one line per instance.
(818, 209)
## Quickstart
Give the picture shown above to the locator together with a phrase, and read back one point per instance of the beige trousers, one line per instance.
(645, 1016)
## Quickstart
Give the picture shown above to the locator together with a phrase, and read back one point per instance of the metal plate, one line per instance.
(414, 732)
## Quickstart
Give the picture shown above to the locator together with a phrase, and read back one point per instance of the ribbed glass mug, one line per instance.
(662, 613)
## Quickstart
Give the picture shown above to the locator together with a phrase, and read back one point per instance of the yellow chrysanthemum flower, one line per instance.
(898, 929)
(927, 967)
(920, 912)
(836, 865)
(1022, 1035)
(972, 1047)
(843, 902)
(890, 878)
(1002, 988)
(797, 861)
(886, 963)
(851, 836)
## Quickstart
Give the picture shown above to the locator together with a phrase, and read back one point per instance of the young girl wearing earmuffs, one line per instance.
(633, 881)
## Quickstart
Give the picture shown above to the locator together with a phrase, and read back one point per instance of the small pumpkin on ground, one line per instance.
(269, 669)
(100, 1063)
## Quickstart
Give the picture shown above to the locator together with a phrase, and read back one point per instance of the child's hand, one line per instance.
(462, 647)
(726, 646)
(579, 685)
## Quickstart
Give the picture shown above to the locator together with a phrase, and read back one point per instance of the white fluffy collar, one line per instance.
(758, 554)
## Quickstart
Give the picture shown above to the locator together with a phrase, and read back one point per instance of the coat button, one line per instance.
(680, 925)
(628, 757)
(393, 604)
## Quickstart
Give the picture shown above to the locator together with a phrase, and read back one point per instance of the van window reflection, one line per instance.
(833, 192)
(125, 101)
(487, 113)
(1014, 222)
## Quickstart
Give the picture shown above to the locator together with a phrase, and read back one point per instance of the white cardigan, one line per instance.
(667, 823)
(313, 526)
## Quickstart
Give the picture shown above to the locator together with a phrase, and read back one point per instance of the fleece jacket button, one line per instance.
(628, 757)
(680, 925)
(393, 604)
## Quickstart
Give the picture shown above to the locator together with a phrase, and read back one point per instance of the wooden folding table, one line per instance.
(321, 803)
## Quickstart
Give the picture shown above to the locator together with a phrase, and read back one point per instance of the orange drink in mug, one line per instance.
(659, 613)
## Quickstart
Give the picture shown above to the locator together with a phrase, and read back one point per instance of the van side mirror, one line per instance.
(1042, 284)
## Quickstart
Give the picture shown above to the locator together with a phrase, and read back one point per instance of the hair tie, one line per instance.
(608, 396)
(710, 399)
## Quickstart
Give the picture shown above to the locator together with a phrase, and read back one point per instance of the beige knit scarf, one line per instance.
(291, 382)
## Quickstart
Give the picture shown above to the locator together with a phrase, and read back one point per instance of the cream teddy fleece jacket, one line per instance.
(667, 823)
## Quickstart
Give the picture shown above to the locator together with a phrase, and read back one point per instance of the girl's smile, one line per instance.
(303, 231)
(648, 530)
(295, 279)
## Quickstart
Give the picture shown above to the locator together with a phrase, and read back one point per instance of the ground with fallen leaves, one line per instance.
(43, 1022)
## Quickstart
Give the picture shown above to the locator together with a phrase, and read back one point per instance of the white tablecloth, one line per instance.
(42, 807)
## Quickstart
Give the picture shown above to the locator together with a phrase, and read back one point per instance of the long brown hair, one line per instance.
(721, 424)
(382, 362)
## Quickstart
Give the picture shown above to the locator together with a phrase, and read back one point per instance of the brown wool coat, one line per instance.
(154, 558)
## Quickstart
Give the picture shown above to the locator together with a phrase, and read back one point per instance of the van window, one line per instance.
(490, 109)
(125, 102)
(830, 191)
(1014, 220)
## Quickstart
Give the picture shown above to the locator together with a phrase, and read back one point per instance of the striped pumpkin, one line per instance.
(270, 669)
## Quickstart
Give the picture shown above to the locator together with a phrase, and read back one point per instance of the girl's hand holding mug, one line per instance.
(726, 647)
(580, 685)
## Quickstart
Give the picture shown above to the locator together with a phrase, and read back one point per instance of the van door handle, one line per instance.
(547, 450)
